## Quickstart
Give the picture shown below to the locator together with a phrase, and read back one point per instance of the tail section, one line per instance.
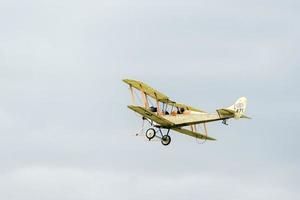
(237, 110)
(239, 107)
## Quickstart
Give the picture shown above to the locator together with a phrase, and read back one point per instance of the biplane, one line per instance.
(164, 115)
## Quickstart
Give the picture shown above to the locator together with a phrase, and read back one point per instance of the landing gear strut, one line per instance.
(151, 133)
(165, 139)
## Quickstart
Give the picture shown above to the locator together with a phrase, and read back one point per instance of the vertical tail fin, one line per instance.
(239, 108)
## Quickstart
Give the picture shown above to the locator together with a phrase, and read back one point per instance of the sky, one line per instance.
(66, 132)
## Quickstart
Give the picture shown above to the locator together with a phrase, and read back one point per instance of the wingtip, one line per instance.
(131, 106)
(208, 138)
(130, 81)
(246, 117)
(212, 139)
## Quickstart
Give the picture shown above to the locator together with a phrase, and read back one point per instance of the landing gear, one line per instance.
(150, 133)
(165, 140)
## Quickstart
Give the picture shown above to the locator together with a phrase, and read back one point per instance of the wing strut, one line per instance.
(194, 128)
(144, 97)
(205, 129)
(157, 104)
(132, 95)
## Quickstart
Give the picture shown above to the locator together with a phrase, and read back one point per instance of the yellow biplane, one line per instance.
(165, 114)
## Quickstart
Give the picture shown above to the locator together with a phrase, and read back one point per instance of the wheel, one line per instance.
(165, 140)
(150, 133)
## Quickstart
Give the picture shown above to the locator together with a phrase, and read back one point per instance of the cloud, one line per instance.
(45, 182)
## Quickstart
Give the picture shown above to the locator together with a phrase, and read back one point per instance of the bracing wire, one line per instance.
(141, 130)
(151, 103)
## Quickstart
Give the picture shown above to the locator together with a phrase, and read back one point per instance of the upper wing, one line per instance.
(157, 95)
(193, 134)
(148, 90)
(149, 115)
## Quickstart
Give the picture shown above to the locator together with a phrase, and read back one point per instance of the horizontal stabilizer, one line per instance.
(245, 117)
(193, 134)
(225, 112)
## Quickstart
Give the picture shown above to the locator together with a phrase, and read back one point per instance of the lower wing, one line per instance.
(193, 134)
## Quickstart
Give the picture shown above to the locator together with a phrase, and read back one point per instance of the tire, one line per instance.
(150, 133)
(166, 140)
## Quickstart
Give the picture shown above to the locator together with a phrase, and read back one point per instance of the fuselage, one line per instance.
(192, 117)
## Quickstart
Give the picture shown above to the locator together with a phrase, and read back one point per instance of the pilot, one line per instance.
(153, 109)
(180, 110)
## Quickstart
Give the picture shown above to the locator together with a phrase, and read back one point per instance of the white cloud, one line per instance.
(42, 182)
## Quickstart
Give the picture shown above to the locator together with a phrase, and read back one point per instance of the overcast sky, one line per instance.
(67, 134)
